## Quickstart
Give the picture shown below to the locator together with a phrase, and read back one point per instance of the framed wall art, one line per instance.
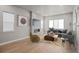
(22, 20)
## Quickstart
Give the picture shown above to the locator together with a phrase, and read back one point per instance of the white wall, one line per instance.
(76, 26)
(19, 32)
(77, 30)
(67, 20)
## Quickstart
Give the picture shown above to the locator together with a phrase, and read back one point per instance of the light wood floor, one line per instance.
(26, 46)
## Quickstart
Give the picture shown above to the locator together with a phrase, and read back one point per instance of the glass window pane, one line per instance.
(50, 23)
(56, 24)
(61, 24)
(41, 23)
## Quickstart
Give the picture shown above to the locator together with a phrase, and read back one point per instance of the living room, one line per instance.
(39, 23)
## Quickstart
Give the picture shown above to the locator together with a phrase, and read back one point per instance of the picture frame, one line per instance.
(22, 20)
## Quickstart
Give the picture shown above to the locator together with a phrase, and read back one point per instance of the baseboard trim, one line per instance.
(4, 43)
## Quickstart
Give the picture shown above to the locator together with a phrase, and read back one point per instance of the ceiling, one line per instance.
(47, 10)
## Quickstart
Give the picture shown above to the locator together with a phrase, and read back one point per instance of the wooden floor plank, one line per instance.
(26, 46)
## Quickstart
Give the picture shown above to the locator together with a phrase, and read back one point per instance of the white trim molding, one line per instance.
(4, 43)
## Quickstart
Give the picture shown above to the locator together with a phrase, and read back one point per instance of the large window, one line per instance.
(42, 24)
(51, 23)
(57, 24)
(61, 24)
(8, 22)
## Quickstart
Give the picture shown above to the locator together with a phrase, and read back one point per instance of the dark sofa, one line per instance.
(63, 33)
(57, 30)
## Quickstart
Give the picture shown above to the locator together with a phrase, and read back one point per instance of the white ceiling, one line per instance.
(47, 10)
